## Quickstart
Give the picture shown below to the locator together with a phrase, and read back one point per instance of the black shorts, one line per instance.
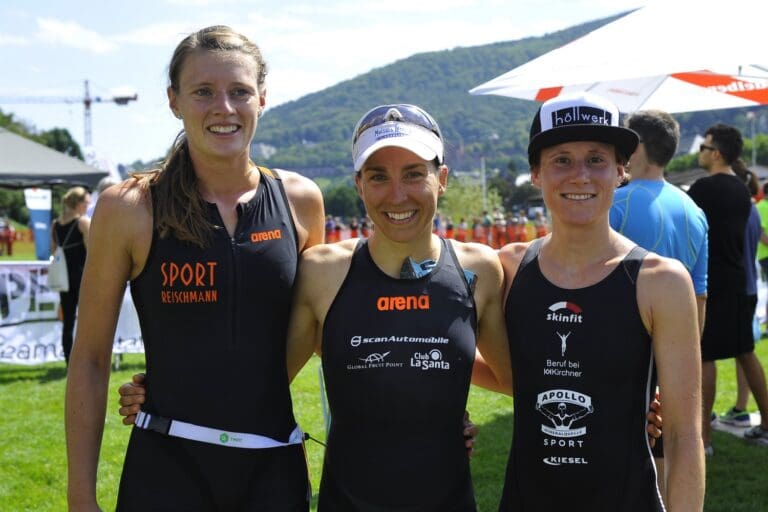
(163, 473)
(728, 326)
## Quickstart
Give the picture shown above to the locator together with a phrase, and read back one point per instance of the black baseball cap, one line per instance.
(579, 116)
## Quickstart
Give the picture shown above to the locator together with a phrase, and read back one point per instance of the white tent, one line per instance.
(25, 163)
(677, 56)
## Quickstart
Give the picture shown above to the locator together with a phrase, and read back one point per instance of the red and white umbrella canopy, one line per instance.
(677, 57)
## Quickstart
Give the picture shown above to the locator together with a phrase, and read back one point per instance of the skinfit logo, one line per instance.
(565, 312)
(432, 360)
(402, 303)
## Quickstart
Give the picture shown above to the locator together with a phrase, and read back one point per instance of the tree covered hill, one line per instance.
(312, 134)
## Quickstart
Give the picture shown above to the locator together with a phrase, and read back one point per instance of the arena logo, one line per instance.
(565, 312)
(432, 360)
(263, 236)
(402, 303)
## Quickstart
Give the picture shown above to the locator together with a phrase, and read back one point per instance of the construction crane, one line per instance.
(87, 100)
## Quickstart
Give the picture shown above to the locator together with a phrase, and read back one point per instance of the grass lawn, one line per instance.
(33, 461)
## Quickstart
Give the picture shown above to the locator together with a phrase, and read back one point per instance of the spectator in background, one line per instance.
(103, 184)
(70, 231)
(738, 415)
(762, 247)
(728, 323)
(354, 228)
(660, 217)
(655, 214)
(461, 233)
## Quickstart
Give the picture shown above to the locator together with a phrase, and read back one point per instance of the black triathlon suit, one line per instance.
(583, 369)
(214, 323)
(397, 359)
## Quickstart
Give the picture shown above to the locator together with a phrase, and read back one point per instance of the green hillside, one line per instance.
(312, 134)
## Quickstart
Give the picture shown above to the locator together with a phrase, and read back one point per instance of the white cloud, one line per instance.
(158, 34)
(200, 3)
(11, 40)
(72, 34)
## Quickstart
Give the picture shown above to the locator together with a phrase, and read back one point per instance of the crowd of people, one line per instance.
(579, 318)
(495, 229)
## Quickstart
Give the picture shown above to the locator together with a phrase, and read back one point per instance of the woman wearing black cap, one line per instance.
(592, 320)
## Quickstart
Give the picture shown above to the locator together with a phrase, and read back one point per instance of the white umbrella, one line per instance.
(674, 56)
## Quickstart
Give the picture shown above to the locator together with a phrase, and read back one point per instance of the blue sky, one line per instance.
(49, 47)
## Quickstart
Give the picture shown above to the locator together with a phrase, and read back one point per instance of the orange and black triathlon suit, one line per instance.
(397, 360)
(214, 323)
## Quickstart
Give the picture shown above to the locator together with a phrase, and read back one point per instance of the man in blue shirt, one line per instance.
(657, 215)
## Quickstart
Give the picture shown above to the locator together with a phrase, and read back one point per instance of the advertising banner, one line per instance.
(30, 329)
(38, 201)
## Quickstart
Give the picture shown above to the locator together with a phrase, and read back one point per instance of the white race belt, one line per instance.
(185, 430)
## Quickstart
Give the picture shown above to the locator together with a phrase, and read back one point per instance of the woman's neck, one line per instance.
(390, 255)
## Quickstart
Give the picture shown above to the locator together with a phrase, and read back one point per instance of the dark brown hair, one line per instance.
(179, 209)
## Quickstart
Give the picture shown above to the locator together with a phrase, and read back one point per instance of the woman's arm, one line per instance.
(668, 308)
(492, 369)
(109, 265)
(321, 271)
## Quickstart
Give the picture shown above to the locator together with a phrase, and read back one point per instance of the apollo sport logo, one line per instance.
(565, 312)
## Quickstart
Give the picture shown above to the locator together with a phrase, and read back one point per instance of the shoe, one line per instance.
(757, 433)
(709, 451)
(736, 417)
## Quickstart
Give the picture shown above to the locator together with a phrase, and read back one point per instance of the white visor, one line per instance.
(416, 139)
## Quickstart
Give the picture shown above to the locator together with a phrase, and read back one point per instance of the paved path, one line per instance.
(738, 431)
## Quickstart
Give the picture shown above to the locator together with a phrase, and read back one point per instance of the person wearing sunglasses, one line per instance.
(727, 332)
(210, 243)
(592, 319)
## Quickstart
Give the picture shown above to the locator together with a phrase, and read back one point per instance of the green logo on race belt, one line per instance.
(224, 438)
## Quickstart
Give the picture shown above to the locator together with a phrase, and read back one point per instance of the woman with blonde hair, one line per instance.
(70, 232)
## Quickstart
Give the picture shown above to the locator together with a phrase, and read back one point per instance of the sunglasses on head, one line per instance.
(400, 112)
